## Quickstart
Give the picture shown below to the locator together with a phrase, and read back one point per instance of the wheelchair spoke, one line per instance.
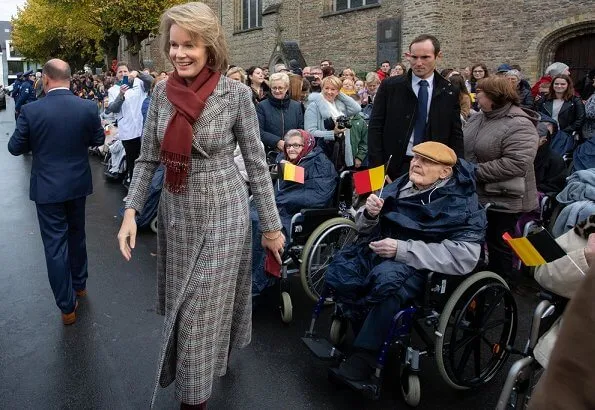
(493, 324)
(464, 342)
(464, 358)
(477, 357)
(497, 300)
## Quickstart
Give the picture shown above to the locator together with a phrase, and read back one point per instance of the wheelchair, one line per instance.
(526, 372)
(315, 236)
(465, 322)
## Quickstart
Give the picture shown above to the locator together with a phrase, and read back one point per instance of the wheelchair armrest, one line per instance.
(309, 212)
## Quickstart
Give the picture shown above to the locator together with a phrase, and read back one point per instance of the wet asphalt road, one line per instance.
(107, 360)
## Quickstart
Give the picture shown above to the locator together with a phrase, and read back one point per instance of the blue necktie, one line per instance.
(422, 113)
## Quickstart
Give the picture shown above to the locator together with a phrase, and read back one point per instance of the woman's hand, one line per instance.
(374, 205)
(127, 234)
(386, 248)
(280, 145)
(590, 250)
(275, 244)
(338, 131)
(357, 162)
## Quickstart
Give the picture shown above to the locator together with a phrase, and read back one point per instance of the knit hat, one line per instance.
(437, 152)
(502, 68)
(556, 68)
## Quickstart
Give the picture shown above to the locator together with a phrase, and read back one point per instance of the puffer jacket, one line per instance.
(503, 144)
(563, 278)
(320, 180)
(276, 117)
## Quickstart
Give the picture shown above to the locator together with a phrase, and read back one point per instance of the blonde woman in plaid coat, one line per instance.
(204, 238)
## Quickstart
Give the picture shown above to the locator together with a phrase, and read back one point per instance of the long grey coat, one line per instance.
(503, 144)
(204, 240)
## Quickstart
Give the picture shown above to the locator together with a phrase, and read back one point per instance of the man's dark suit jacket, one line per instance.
(393, 119)
(58, 130)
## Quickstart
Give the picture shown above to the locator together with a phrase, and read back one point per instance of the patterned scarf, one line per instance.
(188, 102)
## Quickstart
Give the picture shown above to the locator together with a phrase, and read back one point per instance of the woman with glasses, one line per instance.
(278, 113)
(317, 191)
(478, 71)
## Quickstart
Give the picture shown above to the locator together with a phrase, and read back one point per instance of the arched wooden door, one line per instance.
(579, 54)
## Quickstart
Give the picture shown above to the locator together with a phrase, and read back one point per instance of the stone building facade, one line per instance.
(362, 33)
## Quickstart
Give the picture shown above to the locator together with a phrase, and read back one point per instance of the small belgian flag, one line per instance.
(369, 180)
(291, 172)
(536, 248)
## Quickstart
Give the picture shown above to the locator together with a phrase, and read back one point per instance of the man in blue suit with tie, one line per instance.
(58, 130)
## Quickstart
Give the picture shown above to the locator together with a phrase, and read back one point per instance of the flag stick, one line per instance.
(386, 169)
(574, 263)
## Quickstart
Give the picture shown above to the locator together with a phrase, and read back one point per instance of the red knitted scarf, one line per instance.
(188, 102)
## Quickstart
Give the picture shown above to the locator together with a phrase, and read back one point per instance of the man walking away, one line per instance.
(58, 129)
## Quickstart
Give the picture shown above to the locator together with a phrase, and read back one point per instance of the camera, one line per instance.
(343, 122)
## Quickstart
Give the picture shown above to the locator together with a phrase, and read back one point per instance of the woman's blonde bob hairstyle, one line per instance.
(333, 81)
(202, 24)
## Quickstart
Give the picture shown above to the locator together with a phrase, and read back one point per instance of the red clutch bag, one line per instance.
(271, 266)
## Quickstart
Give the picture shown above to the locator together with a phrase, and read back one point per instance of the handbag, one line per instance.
(513, 188)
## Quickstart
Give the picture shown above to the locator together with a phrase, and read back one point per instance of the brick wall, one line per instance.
(524, 32)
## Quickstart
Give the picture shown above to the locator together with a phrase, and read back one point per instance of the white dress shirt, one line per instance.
(415, 85)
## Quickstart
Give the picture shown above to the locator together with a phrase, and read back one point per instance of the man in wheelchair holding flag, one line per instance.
(428, 220)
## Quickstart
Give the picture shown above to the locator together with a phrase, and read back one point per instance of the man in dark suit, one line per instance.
(58, 130)
(414, 108)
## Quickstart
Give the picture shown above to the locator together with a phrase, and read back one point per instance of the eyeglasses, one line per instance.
(278, 88)
(294, 146)
(478, 71)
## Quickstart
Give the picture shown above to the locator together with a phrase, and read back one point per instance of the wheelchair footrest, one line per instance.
(369, 388)
(322, 348)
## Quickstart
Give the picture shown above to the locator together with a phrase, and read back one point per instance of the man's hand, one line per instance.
(386, 248)
(357, 162)
(123, 89)
(374, 205)
(590, 250)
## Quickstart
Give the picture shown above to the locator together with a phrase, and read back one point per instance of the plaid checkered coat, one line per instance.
(204, 239)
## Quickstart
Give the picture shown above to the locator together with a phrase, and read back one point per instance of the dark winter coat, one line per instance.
(26, 95)
(317, 191)
(393, 119)
(276, 117)
(571, 116)
(450, 212)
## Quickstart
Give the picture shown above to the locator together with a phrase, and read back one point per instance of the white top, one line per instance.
(557, 104)
(130, 117)
(415, 85)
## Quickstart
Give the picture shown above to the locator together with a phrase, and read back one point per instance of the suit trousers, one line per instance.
(62, 227)
(132, 149)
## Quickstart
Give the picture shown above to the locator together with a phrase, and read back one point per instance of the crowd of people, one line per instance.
(453, 142)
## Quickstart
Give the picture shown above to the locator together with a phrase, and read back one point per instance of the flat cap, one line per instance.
(437, 152)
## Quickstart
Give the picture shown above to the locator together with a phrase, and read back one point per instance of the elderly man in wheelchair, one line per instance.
(428, 220)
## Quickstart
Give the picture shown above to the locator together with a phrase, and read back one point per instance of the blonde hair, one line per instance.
(333, 80)
(202, 24)
(239, 70)
(279, 77)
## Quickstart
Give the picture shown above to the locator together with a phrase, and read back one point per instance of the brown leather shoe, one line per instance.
(81, 293)
(70, 318)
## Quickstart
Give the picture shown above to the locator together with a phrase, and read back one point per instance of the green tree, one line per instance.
(44, 30)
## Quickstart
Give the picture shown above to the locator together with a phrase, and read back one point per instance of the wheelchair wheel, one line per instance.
(410, 387)
(153, 224)
(286, 308)
(338, 331)
(319, 250)
(477, 324)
